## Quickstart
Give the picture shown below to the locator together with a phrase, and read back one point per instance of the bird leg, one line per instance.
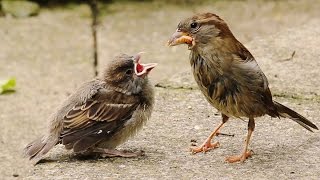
(207, 145)
(117, 153)
(246, 153)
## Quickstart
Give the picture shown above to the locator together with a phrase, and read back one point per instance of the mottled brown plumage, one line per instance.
(228, 76)
(102, 113)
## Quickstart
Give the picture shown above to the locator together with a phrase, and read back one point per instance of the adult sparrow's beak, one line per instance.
(180, 37)
(142, 69)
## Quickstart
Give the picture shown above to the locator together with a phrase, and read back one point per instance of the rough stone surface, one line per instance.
(49, 59)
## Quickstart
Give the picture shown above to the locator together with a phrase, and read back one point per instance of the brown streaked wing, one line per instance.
(244, 56)
(86, 119)
(96, 111)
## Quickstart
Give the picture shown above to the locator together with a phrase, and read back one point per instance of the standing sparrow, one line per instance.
(102, 113)
(229, 77)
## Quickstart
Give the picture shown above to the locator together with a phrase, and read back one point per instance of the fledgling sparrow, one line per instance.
(229, 77)
(102, 113)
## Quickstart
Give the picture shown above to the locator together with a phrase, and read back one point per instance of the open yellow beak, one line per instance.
(180, 37)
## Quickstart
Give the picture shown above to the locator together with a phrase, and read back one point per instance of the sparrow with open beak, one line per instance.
(102, 113)
(229, 77)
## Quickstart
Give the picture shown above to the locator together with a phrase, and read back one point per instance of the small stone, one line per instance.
(122, 166)
(15, 175)
(197, 127)
(189, 107)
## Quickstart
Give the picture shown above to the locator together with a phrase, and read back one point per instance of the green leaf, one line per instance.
(7, 85)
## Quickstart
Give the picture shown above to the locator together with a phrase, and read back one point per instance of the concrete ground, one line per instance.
(50, 55)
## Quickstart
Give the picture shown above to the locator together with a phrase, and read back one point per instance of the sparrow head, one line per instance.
(199, 30)
(127, 74)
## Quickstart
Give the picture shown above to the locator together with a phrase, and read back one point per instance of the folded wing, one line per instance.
(87, 124)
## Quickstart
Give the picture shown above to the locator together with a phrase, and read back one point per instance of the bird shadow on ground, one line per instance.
(84, 158)
(69, 158)
(281, 153)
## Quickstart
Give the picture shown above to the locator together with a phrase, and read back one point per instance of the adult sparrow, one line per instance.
(102, 113)
(229, 77)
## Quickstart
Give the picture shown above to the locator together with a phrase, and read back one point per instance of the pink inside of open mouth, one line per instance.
(139, 68)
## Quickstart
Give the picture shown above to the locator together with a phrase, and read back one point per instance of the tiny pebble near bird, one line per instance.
(229, 77)
(102, 113)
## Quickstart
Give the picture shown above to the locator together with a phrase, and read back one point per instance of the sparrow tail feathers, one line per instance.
(289, 113)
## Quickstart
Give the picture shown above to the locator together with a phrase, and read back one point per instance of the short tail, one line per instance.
(288, 113)
(39, 147)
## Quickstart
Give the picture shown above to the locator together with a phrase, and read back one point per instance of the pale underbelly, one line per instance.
(131, 127)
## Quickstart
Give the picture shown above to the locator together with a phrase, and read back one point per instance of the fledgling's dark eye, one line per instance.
(194, 25)
(129, 72)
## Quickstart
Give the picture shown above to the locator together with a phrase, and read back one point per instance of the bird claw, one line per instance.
(207, 146)
(239, 158)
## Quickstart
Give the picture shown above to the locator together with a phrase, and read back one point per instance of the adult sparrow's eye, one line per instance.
(129, 72)
(194, 25)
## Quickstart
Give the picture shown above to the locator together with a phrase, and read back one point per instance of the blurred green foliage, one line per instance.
(62, 2)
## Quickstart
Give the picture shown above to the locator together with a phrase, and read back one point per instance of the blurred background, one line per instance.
(63, 27)
(49, 47)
